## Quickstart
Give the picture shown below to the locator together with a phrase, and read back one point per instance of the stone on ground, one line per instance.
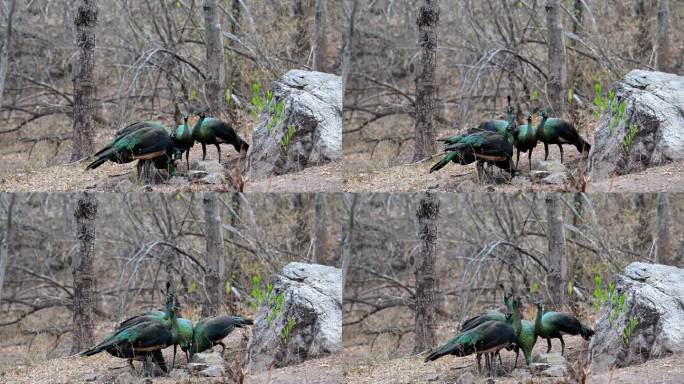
(207, 364)
(313, 300)
(653, 123)
(654, 296)
(313, 108)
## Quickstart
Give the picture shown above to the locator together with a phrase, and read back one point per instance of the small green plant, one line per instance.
(629, 137)
(535, 287)
(616, 303)
(285, 333)
(265, 296)
(266, 104)
(610, 104)
(285, 141)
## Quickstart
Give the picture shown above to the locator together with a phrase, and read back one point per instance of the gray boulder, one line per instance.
(313, 107)
(654, 114)
(313, 305)
(654, 295)
(207, 364)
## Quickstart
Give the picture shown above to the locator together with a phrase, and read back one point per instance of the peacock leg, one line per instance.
(488, 363)
(560, 147)
(548, 342)
(187, 158)
(517, 352)
(479, 171)
(478, 357)
(219, 152)
(546, 151)
(562, 346)
(529, 159)
(498, 354)
(204, 151)
(173, 361)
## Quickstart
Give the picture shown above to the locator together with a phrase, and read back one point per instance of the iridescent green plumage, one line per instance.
(146, 141)
(525, 140)
(210, 331)
(553, 325)
(209, 130)
(559, 132)
(182, 140)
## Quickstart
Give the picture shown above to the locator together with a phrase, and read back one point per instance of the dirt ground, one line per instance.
(389, 363)
(360, 175)
(47, 169)
(45, 364)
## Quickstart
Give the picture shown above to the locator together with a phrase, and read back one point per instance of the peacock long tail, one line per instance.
(453, 347)
(445, 160)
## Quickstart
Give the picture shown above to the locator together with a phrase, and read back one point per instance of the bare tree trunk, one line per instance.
(216, 73)
(350, 200)
(662, 36)
(5, 244)
(321, 37)
(82, 271)
(349, 10)
(84, 82)
(428, 20)
(234, 74)
(663, 247)
(4, 51)
(302, 236)
(556, 50)
(301, 42)
(556, 278)
(643, 43)
(320, 245)
(576, 30)
(427, 214)
(215, 264)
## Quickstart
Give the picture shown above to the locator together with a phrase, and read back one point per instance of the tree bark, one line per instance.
(320, 62)
(556, 278)
(349, 11)
(576, 30)
(82, 271)
(556, 91)
(5, 49)
(84, 82)
(302, 236)
(425, 324)
(216, 73)
(234, 74)
(215, 267)
(428, 20)
(643, 43)
(662, 36)
(301, 42)
(6, 240)
(320, 245)
(663, 246)
(350, 201)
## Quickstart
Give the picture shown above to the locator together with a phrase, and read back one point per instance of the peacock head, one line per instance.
(185, 118)
(543, 113)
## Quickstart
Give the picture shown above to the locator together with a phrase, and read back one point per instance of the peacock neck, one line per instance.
(538, 326)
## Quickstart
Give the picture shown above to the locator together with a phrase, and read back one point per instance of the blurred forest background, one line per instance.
(485, 51)
(149, 64)
(459, 247)
(209, 246)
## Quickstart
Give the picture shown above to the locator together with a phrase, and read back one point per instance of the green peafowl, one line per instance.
(499, 126)
(483, 147)
(210, 331)
(142, 339)
(145, 141)
(553, 325)
(208, 130)
(525, 140)
(182, 140)
(182, 338)
(559, 132)
(488, 337)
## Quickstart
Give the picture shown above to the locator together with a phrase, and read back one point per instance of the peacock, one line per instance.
(559, 132)
(208, 130)
(483, 147)
(182, 140)
(525, 335)
(525, 140)
(553, 325)
(142, 339)
(488, 337)
(182, 338)
(210, 331)
(139, 141)
(499, 126)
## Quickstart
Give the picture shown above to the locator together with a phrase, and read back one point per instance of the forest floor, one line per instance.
(360, 176)
(46, 168)
(389, 363)
(44, 363)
